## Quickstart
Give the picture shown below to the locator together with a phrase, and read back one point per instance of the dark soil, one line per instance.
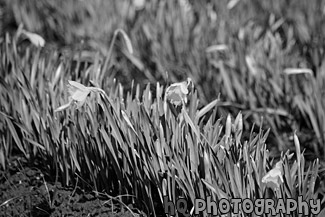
(24, 191)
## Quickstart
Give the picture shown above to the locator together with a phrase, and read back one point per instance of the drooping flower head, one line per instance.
(274, 177)
(78, 94)
(177, 93)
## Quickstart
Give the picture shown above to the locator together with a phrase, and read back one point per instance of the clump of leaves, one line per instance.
(127, 145)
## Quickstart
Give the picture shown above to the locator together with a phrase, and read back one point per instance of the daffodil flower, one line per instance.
(34, 38)
(177, 92)
(78, 94)
(274, 177)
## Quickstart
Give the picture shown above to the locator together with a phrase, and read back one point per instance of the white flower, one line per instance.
(78, 94)
(177, 92)
(36, 39)
(274, 177)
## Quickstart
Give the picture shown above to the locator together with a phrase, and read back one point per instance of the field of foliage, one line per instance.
(91, 108)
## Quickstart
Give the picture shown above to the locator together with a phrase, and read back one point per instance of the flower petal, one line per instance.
(63, 107)
(183, 87)
(175, 99)
(78, 91)
(36, 39)
(77, 85)
(80, 95)
(274, 176)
